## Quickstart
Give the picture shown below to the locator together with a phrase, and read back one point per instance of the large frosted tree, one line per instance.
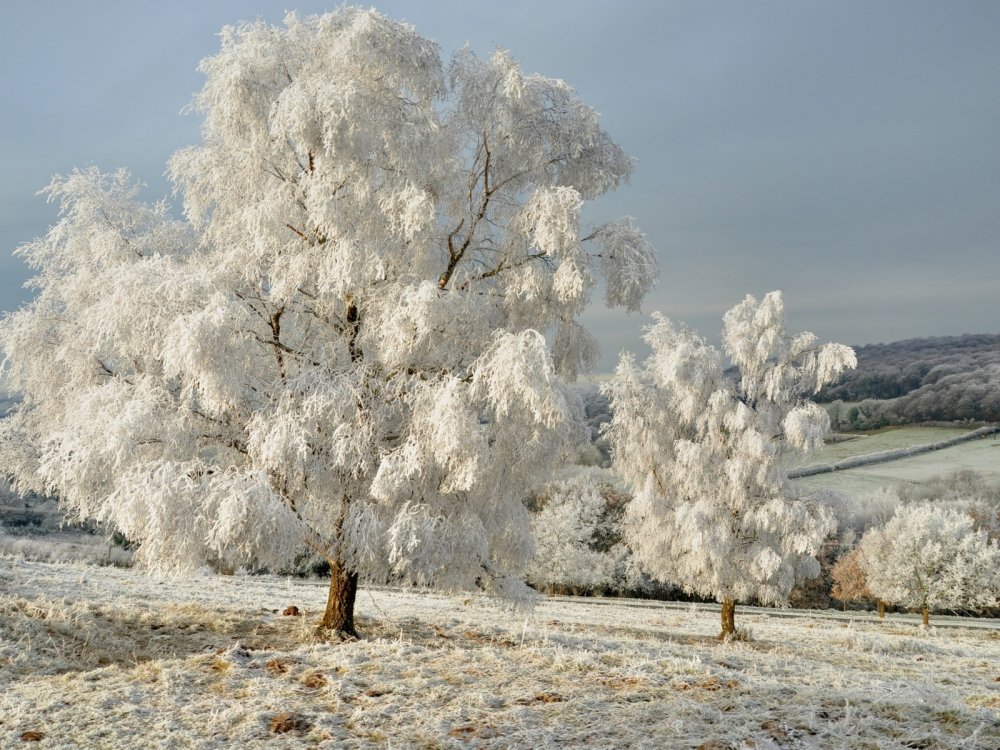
(343, 343)
(706, 454)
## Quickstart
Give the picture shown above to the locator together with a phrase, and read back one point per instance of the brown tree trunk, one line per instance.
(339, 615)
(881, 609)
(926, 613)
(728, 619)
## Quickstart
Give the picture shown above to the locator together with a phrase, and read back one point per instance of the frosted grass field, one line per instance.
(981, 456)
(104, 657)
(861, 444)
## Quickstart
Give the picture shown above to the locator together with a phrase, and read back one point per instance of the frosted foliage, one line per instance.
(930, 557)
(566, 530)
(705, 455)
(629, 263)
(343, 344)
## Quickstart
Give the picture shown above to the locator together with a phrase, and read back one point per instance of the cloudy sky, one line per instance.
(846, 152)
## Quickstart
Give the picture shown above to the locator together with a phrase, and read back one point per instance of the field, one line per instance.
(981, 456)
(850, 444)
(104, 657)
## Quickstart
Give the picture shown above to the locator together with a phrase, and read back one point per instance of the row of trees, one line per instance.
(972, 396)
(943, 379)
(936, 549)
(887, 371)
(930, 557)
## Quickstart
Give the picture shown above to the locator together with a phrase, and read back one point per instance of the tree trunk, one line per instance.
(728, 619)
(881, 609)
(339, 613)
(926, 613)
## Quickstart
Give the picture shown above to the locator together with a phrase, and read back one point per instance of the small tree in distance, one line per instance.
(705, 456)
(342, 345)
(849, 581)
(929, 557)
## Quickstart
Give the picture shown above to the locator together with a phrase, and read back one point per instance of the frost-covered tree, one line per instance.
(928, 557)
(343, 344)
(705, 455)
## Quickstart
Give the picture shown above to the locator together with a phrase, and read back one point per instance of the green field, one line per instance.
(981, 456)
(892, 438)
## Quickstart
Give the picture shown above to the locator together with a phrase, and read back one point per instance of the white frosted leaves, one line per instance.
(214, 349)
(251, 521)
(684, 366)
(102, 226)
(565, 528)
(574, 350)
(446, 425)
(554, 215)
(831, 361)
(515, 376)
(629, 263)
(540, 132)
(773, 363)
(805, 427)
(409, 211)
(423, 326)
(453, 435)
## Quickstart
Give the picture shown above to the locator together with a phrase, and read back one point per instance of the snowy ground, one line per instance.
(104, 657)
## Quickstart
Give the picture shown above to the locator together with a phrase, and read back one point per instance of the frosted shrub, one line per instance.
(566, 529)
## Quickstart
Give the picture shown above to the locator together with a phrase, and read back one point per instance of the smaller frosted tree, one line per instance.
(929, 557)
(849, 581)
(705, 455)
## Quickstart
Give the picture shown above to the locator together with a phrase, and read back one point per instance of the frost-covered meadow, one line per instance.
(981, 456)
(851, 444)
(96, 657)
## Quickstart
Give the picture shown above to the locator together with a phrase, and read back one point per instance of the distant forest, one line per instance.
(940, 379)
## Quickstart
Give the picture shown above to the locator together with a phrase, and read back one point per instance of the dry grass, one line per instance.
(105, 658)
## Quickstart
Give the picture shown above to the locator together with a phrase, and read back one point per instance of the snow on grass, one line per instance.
(981, 456)
(105, 657)
(64, 547)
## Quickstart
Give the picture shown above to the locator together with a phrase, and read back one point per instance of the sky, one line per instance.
(845, 152)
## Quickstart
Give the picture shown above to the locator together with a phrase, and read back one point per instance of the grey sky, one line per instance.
(845, 152)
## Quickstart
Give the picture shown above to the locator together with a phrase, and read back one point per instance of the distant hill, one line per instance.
(892, 370)
(941, 379)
